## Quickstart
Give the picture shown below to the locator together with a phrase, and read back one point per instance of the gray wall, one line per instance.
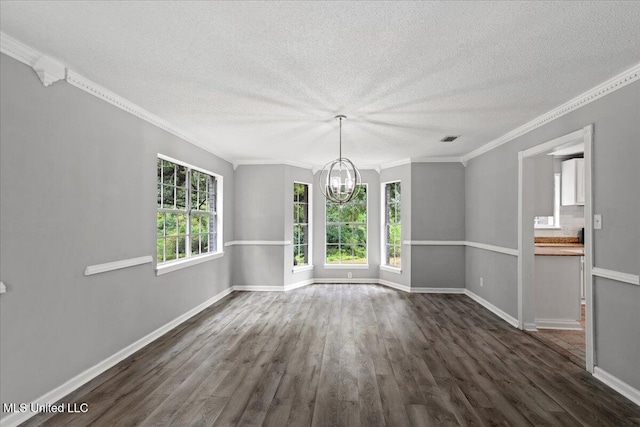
(492, 213)
(78, 187)
(259, 214)
(438, 213)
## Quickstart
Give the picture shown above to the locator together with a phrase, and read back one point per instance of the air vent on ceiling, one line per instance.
(450, 138)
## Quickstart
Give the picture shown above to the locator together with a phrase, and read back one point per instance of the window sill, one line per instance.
(544, 227)
(183, 263)
(346, 266)
(302, 268)
(391, 269)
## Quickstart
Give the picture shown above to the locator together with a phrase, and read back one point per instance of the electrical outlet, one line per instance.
(349, 275)
(481, 281)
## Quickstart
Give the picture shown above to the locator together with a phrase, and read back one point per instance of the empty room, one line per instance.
(366, 213)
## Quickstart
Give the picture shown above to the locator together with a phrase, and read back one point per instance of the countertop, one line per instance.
(559, 249)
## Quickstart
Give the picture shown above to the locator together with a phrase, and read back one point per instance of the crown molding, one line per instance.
(50, 70)
(395, 163)
(252, 162)
(407, 161)
(17, 50)
(112, 98)
(611, 85)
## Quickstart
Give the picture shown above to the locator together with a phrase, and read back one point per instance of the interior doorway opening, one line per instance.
(555, 297)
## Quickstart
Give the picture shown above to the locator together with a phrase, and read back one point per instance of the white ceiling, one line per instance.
(263, 80)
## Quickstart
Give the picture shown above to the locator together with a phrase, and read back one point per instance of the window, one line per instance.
(301, 224)
(551, 221)
(346, 232)
(187, 219)
(392, 215)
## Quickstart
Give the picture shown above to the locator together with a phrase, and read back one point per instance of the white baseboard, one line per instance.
(531, 327)
(81, 379)
(251, 288)
(569, 325)
(299, 284)
(343, 281)
(437, 290)
(394, 285)
(631, 393)
(492, 308)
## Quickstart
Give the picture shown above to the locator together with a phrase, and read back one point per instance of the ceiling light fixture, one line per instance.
(339, 180)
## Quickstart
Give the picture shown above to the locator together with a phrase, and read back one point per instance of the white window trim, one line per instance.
(390, 269)
(556, 206)
(298, 269)
(383, 243)
(347, 266)
(168, 266)
(301, 268)
(364, 266)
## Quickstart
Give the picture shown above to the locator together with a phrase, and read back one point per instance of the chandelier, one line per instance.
(339, 180)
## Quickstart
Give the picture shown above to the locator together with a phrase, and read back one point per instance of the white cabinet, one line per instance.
(573, 182)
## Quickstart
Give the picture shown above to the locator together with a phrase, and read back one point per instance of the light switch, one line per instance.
(597, 222)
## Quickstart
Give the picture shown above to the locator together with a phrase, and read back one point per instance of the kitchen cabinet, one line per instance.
(557, 292)
(573, 182)
(544, 186)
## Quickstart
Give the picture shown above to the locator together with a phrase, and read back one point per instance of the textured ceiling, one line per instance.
(263, 80)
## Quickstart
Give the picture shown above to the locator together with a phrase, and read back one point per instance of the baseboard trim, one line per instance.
(251, 288)
(631, 393)
(343, 281)
(437, 290)
(298, 285)
(81, 379)
(530, 327)
(492, 308)
(394, 285)
(569, 325)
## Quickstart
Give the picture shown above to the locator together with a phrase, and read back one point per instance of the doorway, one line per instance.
(531, 304)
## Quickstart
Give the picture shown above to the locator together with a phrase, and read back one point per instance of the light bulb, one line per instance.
(335, 184)
(350, 184)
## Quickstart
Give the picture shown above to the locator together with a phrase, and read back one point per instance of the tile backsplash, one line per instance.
(571, 221)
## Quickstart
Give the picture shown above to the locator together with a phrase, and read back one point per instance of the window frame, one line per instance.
(383, 227)
(365, 265)
(309, 265)
(189, 260)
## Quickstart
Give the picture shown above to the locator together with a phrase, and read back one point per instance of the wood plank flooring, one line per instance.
(352, 355)
(571, 344)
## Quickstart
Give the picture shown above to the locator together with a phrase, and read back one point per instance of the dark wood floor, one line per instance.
(571, 344)
(346, 355)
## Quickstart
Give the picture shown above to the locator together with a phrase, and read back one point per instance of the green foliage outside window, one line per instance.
(346, 230)
(393, 228)
(184, 214)
(300, 224)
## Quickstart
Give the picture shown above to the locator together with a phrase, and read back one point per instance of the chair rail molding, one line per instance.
(116, 265)
(618, 276)
(487, 247)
